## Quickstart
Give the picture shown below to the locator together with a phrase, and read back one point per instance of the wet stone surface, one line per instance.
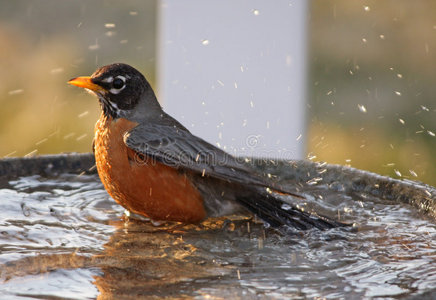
(64, 237)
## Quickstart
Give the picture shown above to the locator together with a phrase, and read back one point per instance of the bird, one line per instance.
(153, 166)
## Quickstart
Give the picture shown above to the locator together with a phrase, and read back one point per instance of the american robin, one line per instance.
(153, 166)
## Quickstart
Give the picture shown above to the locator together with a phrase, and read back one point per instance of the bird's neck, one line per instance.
(146, 110)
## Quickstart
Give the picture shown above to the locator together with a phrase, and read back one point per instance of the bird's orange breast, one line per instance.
(140, 184)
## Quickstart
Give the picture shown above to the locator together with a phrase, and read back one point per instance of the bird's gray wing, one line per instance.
(178, 148)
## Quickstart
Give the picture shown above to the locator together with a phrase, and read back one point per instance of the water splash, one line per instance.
(64, 236)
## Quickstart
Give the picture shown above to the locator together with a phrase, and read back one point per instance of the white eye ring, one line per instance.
(118, 90)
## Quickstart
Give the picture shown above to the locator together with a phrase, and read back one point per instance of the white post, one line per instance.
(234, 73)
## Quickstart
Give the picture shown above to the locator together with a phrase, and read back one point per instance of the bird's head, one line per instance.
(119, 88)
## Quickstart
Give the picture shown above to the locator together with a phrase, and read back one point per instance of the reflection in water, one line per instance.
(63, 237)
(155, 261)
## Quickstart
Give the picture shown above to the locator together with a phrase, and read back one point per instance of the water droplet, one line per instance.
(364, 40)
(15, 92)
(397, 93)
(401, 121)
(431, 133)
(10, 154)
(85, 113)
(382, 36)
(256, 12)
(81, 137)
(286, 206)
(56, 71)
(41, 141)
(366, 8)
(311, 156)
(314, 181)
(362, 108)
(322, 171)
(69, 135)
(426, 109)
(31, 153)
(109, 25)
(110, 33)
(413, 173)
(288, 60)
(94, 47)
(205, 42)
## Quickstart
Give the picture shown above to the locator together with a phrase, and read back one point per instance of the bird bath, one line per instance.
(63, 237)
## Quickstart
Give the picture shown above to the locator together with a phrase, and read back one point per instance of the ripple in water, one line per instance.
(64, 237)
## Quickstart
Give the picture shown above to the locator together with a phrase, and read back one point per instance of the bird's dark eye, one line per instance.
(117, 83)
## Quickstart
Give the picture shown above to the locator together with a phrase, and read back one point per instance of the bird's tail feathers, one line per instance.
(271, 209)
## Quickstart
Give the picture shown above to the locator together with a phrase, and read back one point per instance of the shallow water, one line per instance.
(64, 237)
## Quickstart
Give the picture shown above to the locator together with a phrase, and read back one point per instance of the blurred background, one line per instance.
(371, 88)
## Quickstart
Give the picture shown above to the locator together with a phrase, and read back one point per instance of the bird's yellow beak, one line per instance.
(85, 82)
